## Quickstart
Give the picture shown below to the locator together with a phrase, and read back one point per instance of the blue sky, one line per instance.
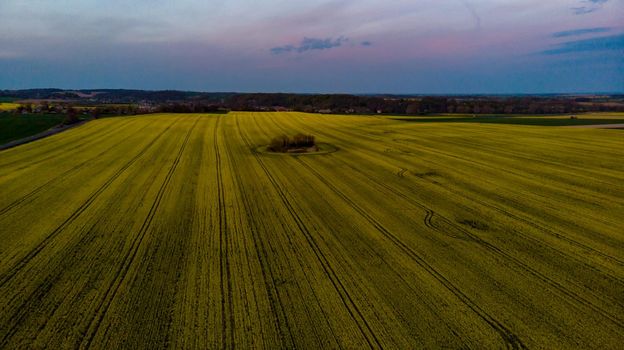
(364, 46)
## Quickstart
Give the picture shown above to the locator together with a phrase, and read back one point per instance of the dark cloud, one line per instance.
(577, 32)
(366, 43)
(308, 44)
(283, 49)
(589, 6)
(605, 43)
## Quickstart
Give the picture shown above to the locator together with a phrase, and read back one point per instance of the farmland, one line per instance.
(543, 120)
(173, 230)
(17, 126)
(8, 106)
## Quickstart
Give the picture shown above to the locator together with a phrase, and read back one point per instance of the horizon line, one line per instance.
(581, 93)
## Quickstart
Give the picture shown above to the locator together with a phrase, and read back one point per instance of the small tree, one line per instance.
(279, 144)
(301, 140)
(72, 116)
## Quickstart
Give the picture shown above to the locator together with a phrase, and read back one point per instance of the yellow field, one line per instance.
(6, 106)
(172, 231)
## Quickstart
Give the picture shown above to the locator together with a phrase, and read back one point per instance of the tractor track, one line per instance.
(227, 307)
(63, 146)
(268, 275)
(542, 227)
(346, 298)
(551, 232)
(428, 221)
(122, 272)
(497, 250)
(362, 248)
(571, 170)
(33, 253)
(526, 221)
(511, 340)
(535, 225)
(492, 248)
(401, 173)
(33, 301)
(52, 180)
(46, 286)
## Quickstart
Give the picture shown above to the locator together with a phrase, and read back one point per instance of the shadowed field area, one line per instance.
(537, 120)
(174, 231)
(15, 127)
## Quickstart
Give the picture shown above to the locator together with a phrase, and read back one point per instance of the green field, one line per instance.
(15, 127)
(535, 120)
(174, 231)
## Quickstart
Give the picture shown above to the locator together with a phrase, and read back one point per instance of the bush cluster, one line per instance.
(284, 143)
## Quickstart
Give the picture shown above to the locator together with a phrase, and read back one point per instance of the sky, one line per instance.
(314, 46)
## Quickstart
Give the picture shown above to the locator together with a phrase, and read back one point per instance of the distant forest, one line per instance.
(140, 101)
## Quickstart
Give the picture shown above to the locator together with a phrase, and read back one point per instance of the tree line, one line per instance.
(128, 102)
(352, 104)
